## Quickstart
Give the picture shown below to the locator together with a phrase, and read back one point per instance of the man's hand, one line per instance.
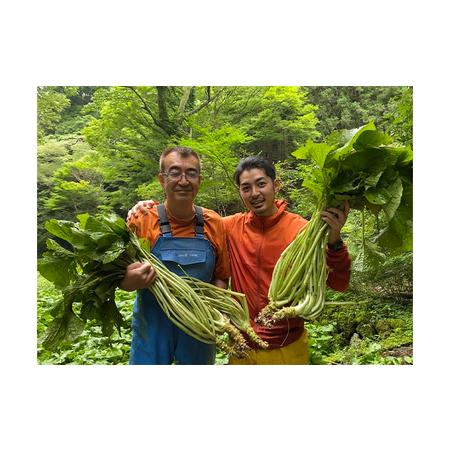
(138, 276)
(220, 283)
(335, 218)
(141, 207)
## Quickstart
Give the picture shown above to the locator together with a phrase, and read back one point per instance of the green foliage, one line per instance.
(101, 249)
(123, 123)
(284, 116)
(218, 151)
(276, 118)
(378, 327)
(363, 167)
(370, 332)
(61, 165)
(291, 174)
(87, 274)
(391, 277)
(73, 196)
(399, 116)
(50, 105)
(63, 260)
(320, 342)
(151, 191)
(91, 346)
(75, 117)
(50, 156)
(346, 107)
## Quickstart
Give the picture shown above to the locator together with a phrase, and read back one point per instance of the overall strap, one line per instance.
(199, 222)
(164, 224)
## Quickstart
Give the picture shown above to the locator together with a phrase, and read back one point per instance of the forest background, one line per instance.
(98, 151)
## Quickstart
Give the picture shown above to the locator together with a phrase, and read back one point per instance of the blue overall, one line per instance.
(155, 339)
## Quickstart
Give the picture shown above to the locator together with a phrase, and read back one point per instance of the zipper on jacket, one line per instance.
(258, 265)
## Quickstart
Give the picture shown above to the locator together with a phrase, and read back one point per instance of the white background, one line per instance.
(232, 43)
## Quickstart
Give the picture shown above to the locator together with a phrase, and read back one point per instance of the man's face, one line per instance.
(258, 191)
(185, 187)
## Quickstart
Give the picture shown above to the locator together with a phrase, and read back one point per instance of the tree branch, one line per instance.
(162, 103)
(184, 98)
(144, 104)
(207, 102)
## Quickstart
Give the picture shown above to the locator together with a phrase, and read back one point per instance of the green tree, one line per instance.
(277, 119)
(399, 116)
(284, 121)
(52, 155)
(347, 107)
(50, 105)
(218, 148)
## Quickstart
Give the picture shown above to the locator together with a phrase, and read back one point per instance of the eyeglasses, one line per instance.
(176, 175)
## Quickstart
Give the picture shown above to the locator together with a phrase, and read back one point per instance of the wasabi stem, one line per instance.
(232, 304)
(299, 278)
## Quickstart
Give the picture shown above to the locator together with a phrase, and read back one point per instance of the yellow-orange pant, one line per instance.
(294, 353)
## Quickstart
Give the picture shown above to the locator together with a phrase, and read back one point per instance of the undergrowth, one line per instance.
(378, 328)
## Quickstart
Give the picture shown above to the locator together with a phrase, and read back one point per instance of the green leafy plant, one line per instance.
(364, 168)
(91, 346)
(321, 342)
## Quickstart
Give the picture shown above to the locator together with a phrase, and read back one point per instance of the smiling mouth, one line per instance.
(257, 204)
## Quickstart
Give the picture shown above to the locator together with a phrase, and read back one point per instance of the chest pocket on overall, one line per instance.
(178, 256)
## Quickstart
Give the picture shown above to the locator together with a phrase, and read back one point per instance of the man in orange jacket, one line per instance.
(256, 240)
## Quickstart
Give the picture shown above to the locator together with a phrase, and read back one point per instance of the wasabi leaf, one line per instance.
(364, 167)
(89, 273)
(57, 265)
(343, 151)
(66, 328)
(316, 152)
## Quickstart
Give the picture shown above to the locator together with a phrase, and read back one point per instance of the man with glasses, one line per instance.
(188, 239)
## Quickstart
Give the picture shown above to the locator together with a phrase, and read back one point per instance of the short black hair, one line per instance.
(254, 162)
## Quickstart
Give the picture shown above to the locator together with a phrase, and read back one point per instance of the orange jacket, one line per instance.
(255, 244)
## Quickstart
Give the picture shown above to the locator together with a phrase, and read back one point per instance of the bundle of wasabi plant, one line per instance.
(89, 271)
(364, 167)
(230, 303)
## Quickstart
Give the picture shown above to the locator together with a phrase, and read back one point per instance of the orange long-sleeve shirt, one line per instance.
(255, 244)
